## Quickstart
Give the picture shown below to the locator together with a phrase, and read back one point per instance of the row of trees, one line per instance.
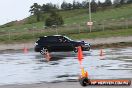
(94, 4)
(37, 10)
(118, 3)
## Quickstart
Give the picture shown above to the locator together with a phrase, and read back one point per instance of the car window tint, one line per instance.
(52, 39)
(62, 39)
(42, 40)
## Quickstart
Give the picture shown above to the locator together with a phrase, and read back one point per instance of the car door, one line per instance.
(65, 44)
(53, 43)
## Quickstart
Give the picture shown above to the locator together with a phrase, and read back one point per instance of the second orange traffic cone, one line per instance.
(80, 54)
(47, 56)
(25, 50)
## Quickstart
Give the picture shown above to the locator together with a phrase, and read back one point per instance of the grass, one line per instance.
(104, 34)
(99, 34)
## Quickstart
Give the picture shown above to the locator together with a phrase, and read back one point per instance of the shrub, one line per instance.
(54, 19)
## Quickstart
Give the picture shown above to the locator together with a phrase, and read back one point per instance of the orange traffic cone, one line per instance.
(25, 50)
(47, 56)
(101, 52)
(80, 54)
(84, 73)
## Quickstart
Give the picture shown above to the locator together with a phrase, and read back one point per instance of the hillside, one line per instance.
(81, 16)
(75, 22)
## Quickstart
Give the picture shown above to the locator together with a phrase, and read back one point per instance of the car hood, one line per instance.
(82, 42)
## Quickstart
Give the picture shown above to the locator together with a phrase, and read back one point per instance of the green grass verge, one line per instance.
(103, 34)
(99, 34)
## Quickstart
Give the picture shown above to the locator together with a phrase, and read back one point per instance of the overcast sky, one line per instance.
(11, 10)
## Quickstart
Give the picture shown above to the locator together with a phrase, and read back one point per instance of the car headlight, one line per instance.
(87, 44)
(36, 44)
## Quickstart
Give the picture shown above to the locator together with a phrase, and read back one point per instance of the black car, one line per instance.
(59, 43)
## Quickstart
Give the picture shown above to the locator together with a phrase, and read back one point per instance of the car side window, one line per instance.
(60, 39)
(63, 40)
(42, 40)
(52, 39)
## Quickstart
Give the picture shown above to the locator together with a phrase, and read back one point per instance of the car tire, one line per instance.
(88, 49)
(75, 49)
(44, 51)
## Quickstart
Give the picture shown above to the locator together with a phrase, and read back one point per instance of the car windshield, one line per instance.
(68, 38)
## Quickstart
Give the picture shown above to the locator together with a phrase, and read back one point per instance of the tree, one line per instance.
(94, 6)
(129, 2)
(54, 19)
(99, 4)
(76, 5)
(84, 4)
(79, 5)
(45, 8)
(122, 2)
(117, 3)
(35, 9)
(48, 7)
(63, 5)
(107, 3)
(66, 6)
(69, 6)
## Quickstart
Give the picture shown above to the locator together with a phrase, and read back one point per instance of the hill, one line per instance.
(75, 22)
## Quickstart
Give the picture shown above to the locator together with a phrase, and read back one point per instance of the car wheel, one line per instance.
(88, 49)
(75, 49)
(44, 51)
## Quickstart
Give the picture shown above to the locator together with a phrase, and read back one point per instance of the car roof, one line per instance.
(50, 36)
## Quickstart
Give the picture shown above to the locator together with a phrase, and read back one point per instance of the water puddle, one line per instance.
(17, 67)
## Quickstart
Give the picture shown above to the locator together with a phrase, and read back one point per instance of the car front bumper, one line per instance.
(37, 49)
(85, 48)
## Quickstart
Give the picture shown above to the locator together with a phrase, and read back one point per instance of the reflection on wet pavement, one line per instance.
(17, 67)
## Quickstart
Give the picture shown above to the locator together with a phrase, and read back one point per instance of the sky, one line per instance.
(11, 10)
